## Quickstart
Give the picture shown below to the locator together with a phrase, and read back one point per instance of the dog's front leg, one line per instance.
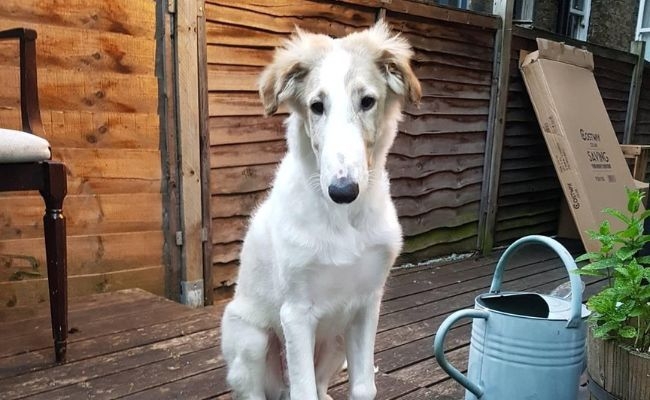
(299, 328)
(359, 349)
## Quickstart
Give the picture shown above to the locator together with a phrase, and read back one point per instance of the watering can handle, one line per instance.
(438, 348)
(569, 264)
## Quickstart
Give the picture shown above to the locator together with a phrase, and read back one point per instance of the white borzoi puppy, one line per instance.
(318, 250)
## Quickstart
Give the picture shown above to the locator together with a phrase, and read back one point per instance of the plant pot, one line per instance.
(616, 371)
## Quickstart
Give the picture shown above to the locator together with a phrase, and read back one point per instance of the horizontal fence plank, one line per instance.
(226, 252)
(434, 13)
(241, 104)
(126, 17)
(234, 155)
(283, 17)
(34, 291)
(110, 163)
(85, 214)
(450, 217)
(87, 254)
(400, 166)
(237, 55)
(241, 36)
(440, 198)
(435, 86)
(224, 274)
(449, 123)
(448, 106)
(227, 230)
(445, 144)
(415, 188)
(233, 78)
(231, 205)
(241, 179)
(451, 47)
(86, 52)
(449, 73)
(233, 130)
(68, 90)
(436, 237)
(454, 32)
(102, 129)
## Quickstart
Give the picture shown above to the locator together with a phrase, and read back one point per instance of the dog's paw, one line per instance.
(325, 397)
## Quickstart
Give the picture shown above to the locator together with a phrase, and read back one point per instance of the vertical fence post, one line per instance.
(190, 237)
(496, 125)
(636, 47)
(204, 138)
(167, 110)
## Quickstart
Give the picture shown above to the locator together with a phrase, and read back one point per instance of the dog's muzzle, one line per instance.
(343, 190)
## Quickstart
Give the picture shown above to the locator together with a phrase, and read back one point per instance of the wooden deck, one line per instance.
(131, 344)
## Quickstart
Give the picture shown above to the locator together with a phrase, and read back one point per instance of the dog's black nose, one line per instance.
(343, 190)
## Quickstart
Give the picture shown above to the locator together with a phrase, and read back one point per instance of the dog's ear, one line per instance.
(281, 80)
(394, 61)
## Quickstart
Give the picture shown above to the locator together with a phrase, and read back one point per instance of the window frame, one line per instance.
(641, 31)
(583, 29)
(527, 13)
(639, 20)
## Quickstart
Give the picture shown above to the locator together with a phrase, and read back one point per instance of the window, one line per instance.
(573, 19)
(578, 19)
(643, 26)
(474, 5)
(523, 11)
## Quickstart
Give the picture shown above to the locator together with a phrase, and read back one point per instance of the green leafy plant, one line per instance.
(621, 311)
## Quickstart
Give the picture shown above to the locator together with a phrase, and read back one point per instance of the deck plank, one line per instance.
(90, 376)
(135, 345)
(14, 324)
(107, 344)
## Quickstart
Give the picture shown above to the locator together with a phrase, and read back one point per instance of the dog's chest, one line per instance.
(343, 284)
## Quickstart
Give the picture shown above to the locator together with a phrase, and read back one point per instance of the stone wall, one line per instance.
(613, 23)
(545, 14)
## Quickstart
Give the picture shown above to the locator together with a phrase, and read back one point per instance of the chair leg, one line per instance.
(53, 192)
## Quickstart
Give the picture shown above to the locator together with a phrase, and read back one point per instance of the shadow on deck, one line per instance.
(131, 344)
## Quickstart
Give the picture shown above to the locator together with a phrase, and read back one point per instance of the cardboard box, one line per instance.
(579, 135)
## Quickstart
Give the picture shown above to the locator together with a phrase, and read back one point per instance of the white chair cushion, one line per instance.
(18, 147)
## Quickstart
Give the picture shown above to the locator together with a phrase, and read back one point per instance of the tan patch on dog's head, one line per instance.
(392, 54)
(280, 80)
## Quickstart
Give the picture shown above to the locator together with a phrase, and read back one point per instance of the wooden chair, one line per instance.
(25, 164)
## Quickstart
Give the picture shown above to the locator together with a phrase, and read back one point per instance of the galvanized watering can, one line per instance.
(524, 345)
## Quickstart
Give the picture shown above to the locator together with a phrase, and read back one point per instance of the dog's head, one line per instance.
(348, 94)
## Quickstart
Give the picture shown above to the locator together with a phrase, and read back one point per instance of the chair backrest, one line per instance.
(29, 105)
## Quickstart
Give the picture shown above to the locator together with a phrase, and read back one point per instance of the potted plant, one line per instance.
(619, 330)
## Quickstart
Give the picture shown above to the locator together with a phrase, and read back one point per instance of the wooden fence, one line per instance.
(437, 164)
(99, 101)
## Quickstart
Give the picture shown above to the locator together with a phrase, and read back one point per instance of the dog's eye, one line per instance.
(367, 102)
(317, 107)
